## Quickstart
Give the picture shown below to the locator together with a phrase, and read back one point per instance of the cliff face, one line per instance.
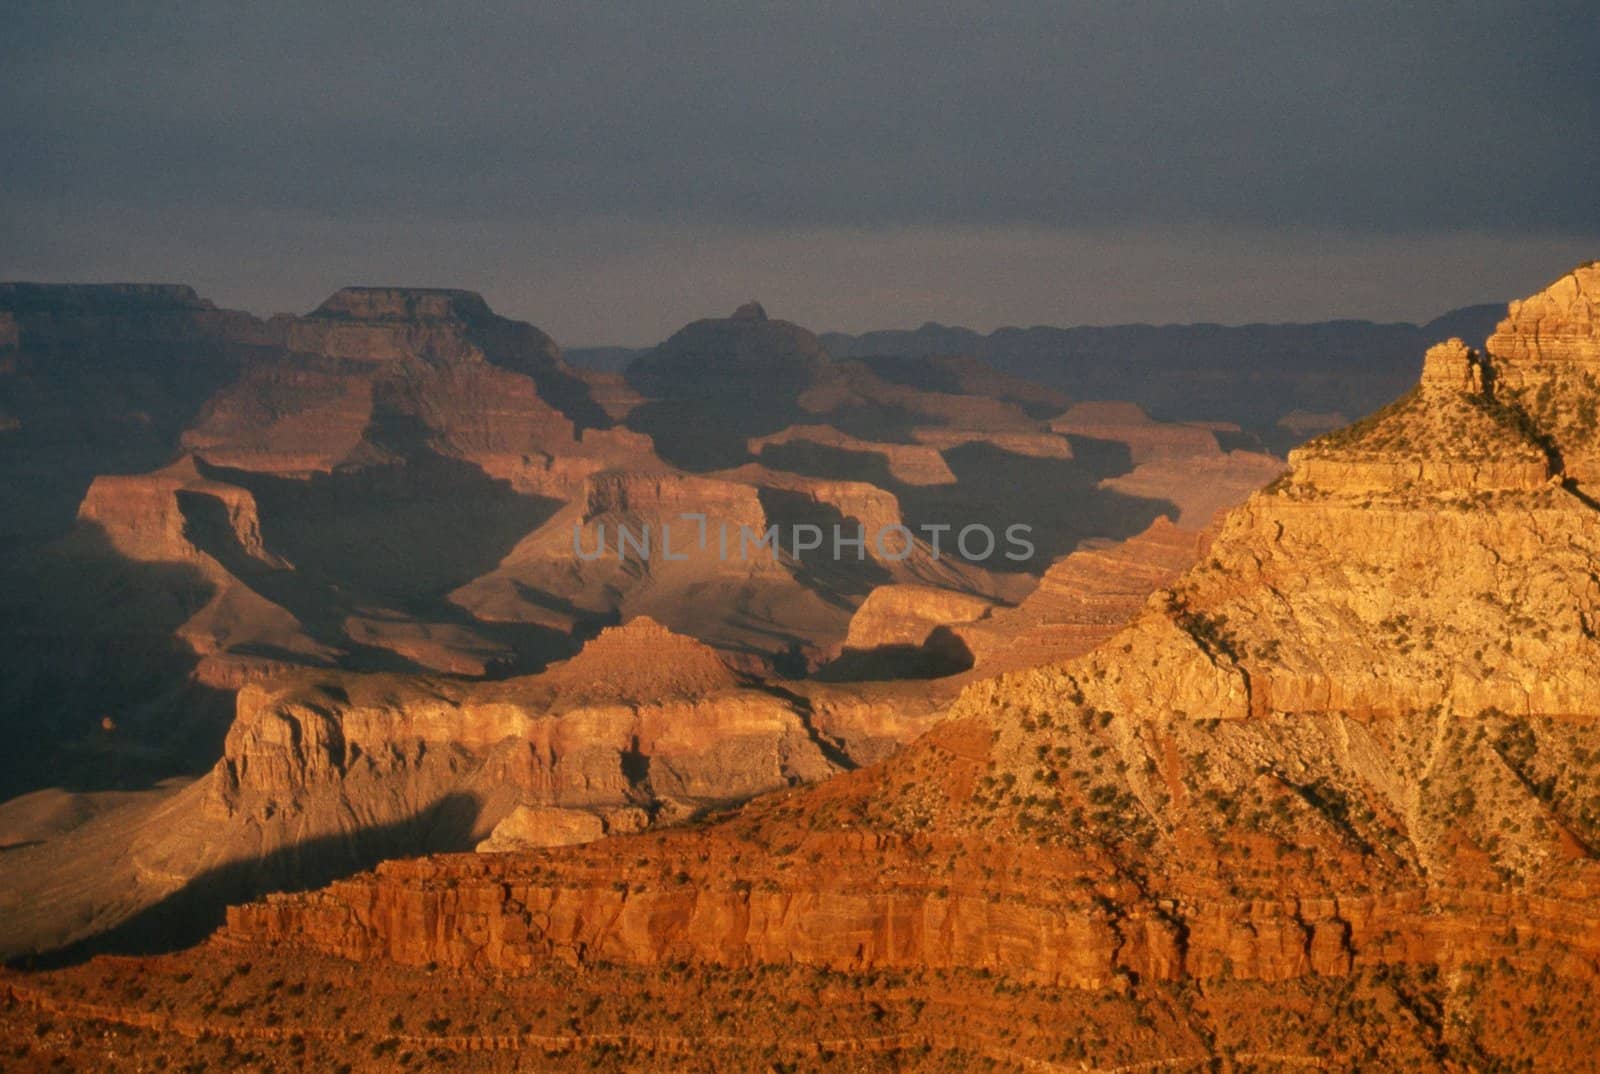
(390, 482)
(380, 373)
(349, 482)
(255, 495)
(906, 615)
(322, 770)
(301, 753)
(642, 720)
(1547, 361)
(1358, 738)
(643, 725)
(143, 515)
(455, 913)
(101, 379)
(97, 384)
(1435, 554)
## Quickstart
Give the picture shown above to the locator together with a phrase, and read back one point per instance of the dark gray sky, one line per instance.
(610, 170)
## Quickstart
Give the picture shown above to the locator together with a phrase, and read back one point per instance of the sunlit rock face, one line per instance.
(1546, 360)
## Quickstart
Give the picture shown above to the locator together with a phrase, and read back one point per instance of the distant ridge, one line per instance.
(1251, 374)
(1254, 375)
(24, 297)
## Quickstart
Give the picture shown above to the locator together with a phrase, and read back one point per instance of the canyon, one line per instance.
(330, 606)
(1325, 800)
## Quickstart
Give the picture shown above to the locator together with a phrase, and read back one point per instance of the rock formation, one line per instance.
(1084, 598)
(359, 541)
(746, 351)
(913, 464)
(1351, 753)
(391, 481)
(642, 727)
(909, 631)
(378, 373)
(906, 615)
(1546, 361)
(688, 550)
(640, 662)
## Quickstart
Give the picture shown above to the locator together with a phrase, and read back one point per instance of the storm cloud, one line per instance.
(269, 152)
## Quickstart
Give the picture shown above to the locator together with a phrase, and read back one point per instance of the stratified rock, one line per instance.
(1546, 362)
(907, 614)
(1358, 739)
(178, 515)
(1450, 436)
(152, 516)
(643, 727)
(908, 632)
(1084, 598)
(574, 566)
(376, 375)
(1560, 324)
(693, 553)
(912, 464)
(640, 662)
(531, 827)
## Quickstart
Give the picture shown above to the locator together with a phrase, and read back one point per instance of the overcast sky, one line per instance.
(611, 170)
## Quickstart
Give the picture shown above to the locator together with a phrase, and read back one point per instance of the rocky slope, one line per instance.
(1351, 755)
(687, 550)
(1084, 598)
(253, 495)
(323, 772)
(413, 465)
